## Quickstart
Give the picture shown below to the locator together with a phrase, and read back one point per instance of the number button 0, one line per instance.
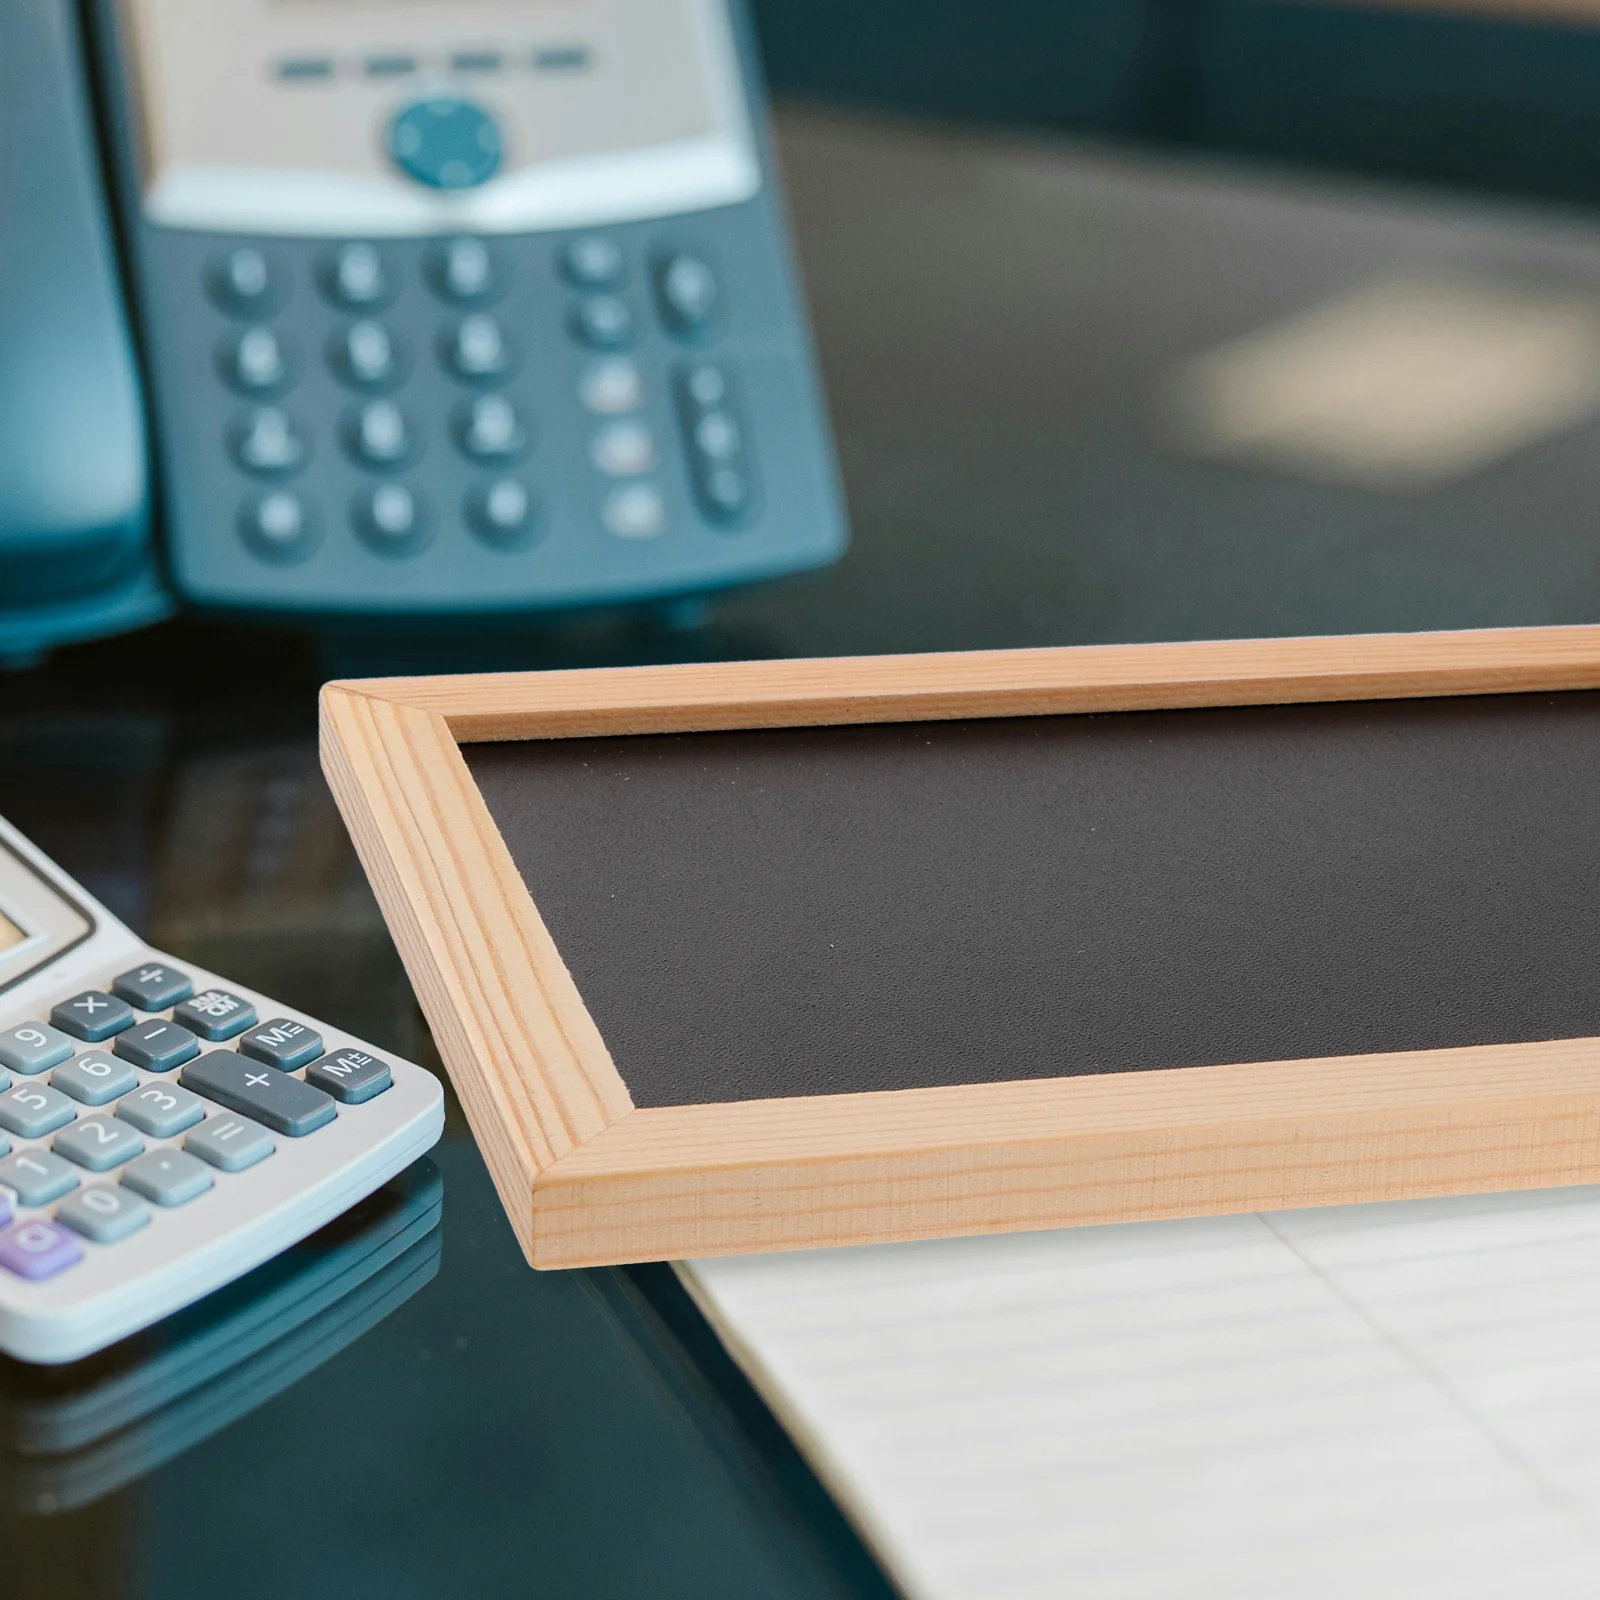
(104, 1213)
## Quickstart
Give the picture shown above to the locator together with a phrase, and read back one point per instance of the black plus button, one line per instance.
(284, 1104)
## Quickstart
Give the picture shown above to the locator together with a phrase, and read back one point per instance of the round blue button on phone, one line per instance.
(445, 142)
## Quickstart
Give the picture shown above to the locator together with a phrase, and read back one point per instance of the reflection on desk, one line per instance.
(70, 1435)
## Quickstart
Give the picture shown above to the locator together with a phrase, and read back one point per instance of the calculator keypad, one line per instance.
(110, 1143)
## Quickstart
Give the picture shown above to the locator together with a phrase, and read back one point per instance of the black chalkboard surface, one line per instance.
(796, 953)
(811, 911)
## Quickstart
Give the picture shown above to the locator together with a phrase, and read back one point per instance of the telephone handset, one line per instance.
(459, 306)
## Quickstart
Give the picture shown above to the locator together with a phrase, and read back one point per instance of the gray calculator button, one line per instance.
(392, 519)
(92, 1016)
(32, 1047)
(98, 1143)
(611, 386)
(157, 1046)
(162, 1110)
(278, 526)
(354, 276)
(31, 1110)
(635, 512)
(36, 1177)
(500, 512)
(153, 986)
(103, 1213)
(593, 261)
(94, 1078)
(282, 1043)
(603, 322)
(366, 355)
(623, 449)
(488, 429)
(243, 281)
(230, 1143)
(267, 443)
(284, 1104)
(350, 1075)
(476, 349)
(255, 362)
(168, 1177)
(463, 269)
(686, 292)
(215, 1014)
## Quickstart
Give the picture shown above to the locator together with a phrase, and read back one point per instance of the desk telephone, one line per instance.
(441, 306)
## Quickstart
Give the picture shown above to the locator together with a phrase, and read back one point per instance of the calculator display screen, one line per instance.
(10, 933)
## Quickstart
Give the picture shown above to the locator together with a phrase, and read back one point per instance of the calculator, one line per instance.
(162, 1130)
(461, 306)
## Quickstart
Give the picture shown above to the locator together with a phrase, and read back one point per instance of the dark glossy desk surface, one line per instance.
(991, 321)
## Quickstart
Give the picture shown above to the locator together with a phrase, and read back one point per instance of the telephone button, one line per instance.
(501, 513)
(392, 520)
(637, 511)
(462, 269)
(366, 356)
(378, 435)
(593, 261)
(476, 349)
(355, 276)
(256, 363)
(445, 142)
(278, 526)
(244, 282)
(686, 292)
(603, 322)
(611, 386)
(488, 429)
(267, 443)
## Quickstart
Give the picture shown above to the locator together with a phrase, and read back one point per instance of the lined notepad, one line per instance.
(1370, 1401)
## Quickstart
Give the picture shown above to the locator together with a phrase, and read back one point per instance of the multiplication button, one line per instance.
(92, 1016)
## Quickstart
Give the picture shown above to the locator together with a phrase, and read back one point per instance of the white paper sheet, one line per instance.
(1369, 1401)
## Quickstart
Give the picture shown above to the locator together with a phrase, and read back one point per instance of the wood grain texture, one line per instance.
(533, 1074)
(928, 1163)
(588, 1179)
(998, 683)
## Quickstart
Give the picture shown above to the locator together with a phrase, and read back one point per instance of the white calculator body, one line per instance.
(164, 1130)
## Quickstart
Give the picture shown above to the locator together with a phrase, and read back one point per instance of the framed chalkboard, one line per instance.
(798, 953)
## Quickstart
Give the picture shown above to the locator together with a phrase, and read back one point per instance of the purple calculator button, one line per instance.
(38, 1249)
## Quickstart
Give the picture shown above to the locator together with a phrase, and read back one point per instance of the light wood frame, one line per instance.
(588, 1178)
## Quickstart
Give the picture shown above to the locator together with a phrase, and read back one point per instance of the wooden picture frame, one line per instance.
(588, 1178)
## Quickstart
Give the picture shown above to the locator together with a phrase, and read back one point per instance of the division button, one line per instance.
(267, 443)
(282, 1043)
(284, 1104)
(365, 355)
(686, 292)
(603, 322)
(477, 350)
(635, 512)
(94, 1078)
(36, 1177)
(351, 1076)
(463, 269)
(278, 526)
(243, 281)
(392, 520)
(33, 1047)
(611, 386)
(378, 435)
(162, 1110)
(501, 513)
(354, 276)
(98, 1143)
(92, 1016)
(157, 1046)
(592, 261)
(488, 429)
(256, 362)
(230, 1143)
(153, 987)
(445, 142)
(623, 449)
(31, 1110)
(38, 1249)
(215, 1014)
(167, 1177)
(103, 1213)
